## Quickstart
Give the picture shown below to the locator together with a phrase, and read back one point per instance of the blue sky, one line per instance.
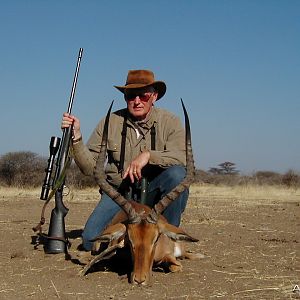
(236, 64)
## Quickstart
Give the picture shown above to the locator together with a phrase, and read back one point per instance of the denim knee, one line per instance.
(168, 179)
(174, 174)
(162, 185)
(174, 211)
(103, 213)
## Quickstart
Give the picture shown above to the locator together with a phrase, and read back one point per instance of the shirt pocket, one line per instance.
(113, 151)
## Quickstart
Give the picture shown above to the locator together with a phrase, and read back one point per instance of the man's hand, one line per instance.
(134, 170)
(67, 121)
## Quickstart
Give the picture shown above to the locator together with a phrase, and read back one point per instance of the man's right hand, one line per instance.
(134, 170)
(67, 121)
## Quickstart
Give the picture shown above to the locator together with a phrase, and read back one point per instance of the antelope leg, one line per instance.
(171, 263)
(106, 254)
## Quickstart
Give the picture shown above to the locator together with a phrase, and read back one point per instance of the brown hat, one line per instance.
(141, 78)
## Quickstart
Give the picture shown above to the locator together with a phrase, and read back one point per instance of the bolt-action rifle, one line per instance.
(56, 241)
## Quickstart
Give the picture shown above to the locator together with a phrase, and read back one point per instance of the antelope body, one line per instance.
(151, 238)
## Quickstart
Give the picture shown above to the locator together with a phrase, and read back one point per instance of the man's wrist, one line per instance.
(76, 140)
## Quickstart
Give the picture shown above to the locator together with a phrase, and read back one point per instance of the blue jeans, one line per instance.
(158, 187)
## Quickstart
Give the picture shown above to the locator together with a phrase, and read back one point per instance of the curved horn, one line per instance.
(100, 177)
(185, 183)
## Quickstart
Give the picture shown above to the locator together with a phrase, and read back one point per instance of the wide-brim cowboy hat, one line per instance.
(142, 78)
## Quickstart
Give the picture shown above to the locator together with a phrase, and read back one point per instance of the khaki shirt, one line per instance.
(169, 143)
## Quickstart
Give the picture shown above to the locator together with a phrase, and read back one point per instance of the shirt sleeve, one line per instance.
(85, 156)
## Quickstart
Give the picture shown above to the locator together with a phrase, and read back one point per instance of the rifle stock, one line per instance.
(56, 241)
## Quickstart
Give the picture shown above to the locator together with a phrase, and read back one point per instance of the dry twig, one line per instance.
(56, 291)
(257, 290)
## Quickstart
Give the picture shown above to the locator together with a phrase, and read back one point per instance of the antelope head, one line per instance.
(145, 229)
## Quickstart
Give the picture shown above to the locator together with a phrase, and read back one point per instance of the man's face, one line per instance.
(140, 101)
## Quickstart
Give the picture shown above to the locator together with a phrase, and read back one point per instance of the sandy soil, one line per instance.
(250, 238)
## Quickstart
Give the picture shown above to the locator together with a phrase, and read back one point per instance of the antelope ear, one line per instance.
(175, 233)
(111, 233)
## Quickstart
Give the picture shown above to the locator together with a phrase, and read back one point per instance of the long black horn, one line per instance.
(100, 176)
(185, 183)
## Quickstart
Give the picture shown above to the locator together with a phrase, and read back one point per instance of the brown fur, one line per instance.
(150, 244)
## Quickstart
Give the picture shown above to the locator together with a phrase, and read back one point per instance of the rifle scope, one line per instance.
(53, 147)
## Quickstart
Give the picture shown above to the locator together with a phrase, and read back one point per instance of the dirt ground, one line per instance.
(249, 238)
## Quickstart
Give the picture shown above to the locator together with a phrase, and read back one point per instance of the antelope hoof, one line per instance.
(175, 268)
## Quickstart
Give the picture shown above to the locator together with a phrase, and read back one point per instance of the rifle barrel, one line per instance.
(75, 81)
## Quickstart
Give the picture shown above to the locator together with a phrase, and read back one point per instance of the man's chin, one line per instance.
(139, 114)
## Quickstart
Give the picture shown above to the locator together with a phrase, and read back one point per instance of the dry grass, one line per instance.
(72, 195)
(252, 193)
(247, 194)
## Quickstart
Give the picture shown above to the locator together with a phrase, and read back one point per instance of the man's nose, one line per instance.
(137, 100)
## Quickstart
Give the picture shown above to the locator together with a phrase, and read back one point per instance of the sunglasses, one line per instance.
(144, 97)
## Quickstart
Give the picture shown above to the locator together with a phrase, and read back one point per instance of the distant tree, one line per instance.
(267, 178)
(225, 168)
(291, 179)
(22, 168)
(215, 171)
(27, 169)
(228, 167)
